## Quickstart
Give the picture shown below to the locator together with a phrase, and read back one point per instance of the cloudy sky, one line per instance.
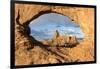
(44, 26)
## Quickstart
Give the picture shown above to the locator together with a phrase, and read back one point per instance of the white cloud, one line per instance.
(71, 30)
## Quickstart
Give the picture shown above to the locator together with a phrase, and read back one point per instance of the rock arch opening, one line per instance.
(45, 28)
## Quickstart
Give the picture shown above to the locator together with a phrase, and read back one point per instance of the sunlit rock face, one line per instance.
(84, 17)
(45, 25)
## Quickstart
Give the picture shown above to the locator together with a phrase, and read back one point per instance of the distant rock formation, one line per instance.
(56, 34)
(61, 40)
(71, 39)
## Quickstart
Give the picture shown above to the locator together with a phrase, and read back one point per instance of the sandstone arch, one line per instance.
(83, 16)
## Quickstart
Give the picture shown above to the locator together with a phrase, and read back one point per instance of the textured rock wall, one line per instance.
(83, 16)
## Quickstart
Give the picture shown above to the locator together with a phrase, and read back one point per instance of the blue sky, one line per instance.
(44, 26)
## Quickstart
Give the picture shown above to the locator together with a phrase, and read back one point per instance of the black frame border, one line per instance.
(12, 34)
